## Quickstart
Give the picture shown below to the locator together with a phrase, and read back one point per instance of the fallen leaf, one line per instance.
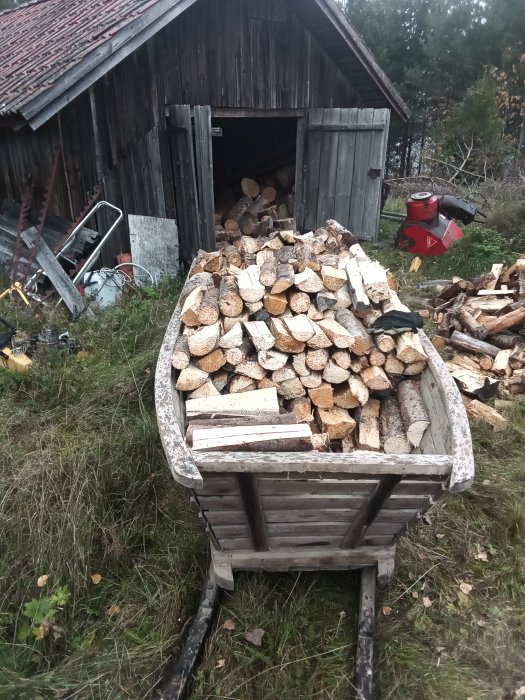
(482, 556)
(486, 482)
(465, 587)
(464, 600)
(42, 580)
(228, 625)
(387, 611)
(415, 594)
(39, 632)
(440, 649)
(255, 636)
(440, 535)
(221, 663)
(427, 602)
(520, 693)
(96, 578)
(112, 610)
(427, 519)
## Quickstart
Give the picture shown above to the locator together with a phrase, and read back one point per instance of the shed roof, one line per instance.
(52, 50)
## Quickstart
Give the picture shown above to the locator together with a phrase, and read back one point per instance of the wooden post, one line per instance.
(364, 667)
(254, 511)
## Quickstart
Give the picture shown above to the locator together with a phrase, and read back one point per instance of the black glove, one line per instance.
(395, 322)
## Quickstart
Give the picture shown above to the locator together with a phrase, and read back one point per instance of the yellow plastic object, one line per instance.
(15, 361)
(15, 287)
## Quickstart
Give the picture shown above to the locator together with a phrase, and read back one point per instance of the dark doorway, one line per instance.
(255, 147)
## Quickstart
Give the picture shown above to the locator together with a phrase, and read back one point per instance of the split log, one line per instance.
(208, 312)
(486, 363)
(344, 397)
(337, 333)
(250, 287)
(385, 342)
(368, 436)
(272, 359)
(465, 342)
(207, 389)
(228, 322)
(321, 442)
(448, 324)
(275, 304)
(374, 280)
(253, 307)
(342, 358)
(314, 314)
(285, 278)
(501, 361)
(337, 422)
(503, 323)
(393, 433)
(283, 374)
(180, 357)
(313, 380)
(299, 364)
(301, 328)
(299, 302)
(474, 383)
(393, 366)
(191, 378)
(220, 381)
(359, 389)
(413, 411)
(317, 359)
(268, 274)
(414, 368)
(263, 438)
(481, 411)
(469, 324)
(336, 229)
(234, 356)
(284, 341)
(360, 343)
(306, 257)
(409, 348)
(291, 389)
(260, 335)
(308, 281)
(376, 358)
(250, 368)
(264, 419)
(230, 301)
(333, 374)
(232, 256)
(212, 362)
(333, 278)
(322, 396)
(375, 379)
(454, 289)
(240, 384)
(325, 300)
(358, 295)
(204, 340)
(190, 308)
(302, 410)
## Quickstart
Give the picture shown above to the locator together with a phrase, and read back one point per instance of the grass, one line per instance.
(84, 490)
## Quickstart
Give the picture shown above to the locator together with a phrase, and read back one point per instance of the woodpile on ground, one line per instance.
(276, 352)
(482, 321)
(262, 205)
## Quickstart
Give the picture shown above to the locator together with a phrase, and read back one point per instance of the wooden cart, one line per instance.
(313, 510)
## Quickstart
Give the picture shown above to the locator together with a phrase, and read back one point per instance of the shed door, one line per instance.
(191, 158)
(341, 156)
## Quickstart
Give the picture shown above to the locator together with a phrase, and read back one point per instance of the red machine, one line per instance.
(429, 227)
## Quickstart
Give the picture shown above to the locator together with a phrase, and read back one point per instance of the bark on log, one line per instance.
(361, 342)
(208, 312)
(503, 323)
(413, 411)
(368, 436)
(465, 342)
(180, 357)
(393, 433)
(230, 301)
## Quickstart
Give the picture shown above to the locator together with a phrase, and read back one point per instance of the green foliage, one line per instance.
(41, 613)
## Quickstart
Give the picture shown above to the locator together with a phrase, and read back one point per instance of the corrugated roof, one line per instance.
(42, 40)
(52, 50)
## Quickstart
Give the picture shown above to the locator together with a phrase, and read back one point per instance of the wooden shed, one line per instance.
(160, 103)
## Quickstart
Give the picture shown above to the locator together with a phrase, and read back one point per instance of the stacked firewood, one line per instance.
(261, 206)
(276, 331)
(483, 321)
